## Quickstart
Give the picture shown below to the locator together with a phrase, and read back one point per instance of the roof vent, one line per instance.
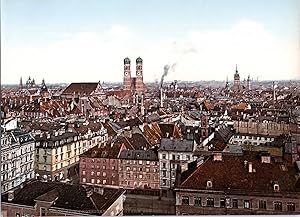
(217, 156)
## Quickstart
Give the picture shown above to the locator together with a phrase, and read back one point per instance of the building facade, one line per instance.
(139, 169)
(173, 154)
(17, 159)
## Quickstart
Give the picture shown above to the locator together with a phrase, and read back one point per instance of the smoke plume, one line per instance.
(173, 66)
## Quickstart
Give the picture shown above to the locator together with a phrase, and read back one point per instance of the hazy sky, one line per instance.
(86, 40)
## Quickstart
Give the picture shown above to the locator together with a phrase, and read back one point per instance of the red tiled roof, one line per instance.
(80, 88)
(230, 173)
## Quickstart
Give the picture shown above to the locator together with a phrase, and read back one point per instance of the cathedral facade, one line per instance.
(134, 84)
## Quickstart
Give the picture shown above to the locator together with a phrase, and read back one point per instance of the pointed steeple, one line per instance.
(236, 70)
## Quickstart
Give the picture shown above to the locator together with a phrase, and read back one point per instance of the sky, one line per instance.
(87, 40)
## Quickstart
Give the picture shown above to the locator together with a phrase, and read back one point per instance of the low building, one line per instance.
(37, 198)
(17, 159)
(230, 184)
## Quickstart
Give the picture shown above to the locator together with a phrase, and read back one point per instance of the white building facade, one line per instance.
(17, 159)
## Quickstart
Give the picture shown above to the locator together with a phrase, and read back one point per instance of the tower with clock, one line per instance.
(127, 74)
(139, 84)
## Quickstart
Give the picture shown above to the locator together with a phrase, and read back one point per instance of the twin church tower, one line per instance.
(134, 84)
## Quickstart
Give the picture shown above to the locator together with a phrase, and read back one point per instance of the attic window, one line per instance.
(209, 184)
(276, 187)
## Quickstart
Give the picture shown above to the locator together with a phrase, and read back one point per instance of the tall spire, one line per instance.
(236, 68)
(21, 83)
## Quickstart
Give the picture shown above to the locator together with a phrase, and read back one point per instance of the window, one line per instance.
(43, 211)
(147, 162)
(246, 204)
(276, 187)
(164, 182)
(104, 174)
(185, 200)
(93, 181)
(222, 202)
(140, 162)
(83, 172)
(141, 169)
(291, 206)
(17, 214)
(140, 176)
(147, 169)
(98, 173)
(209, 184)
(188, 157)
(262, 204)
(164, 165)
(163, 156)
(164, 173)
(197, 201)
(277, 205)
(104, 181)
(178, 157)
(103, 167)
(83, 179)
(210, 202)
(235, 203)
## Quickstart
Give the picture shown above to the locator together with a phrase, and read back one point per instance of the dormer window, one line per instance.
(276, 187)
(209, 184)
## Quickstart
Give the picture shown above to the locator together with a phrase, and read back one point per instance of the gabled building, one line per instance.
(36, 198)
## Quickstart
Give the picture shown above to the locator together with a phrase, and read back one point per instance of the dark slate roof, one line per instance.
(73, 197)
(138, 155)
(224, 133)
(110, 152)
(178, 145)
(80, 88)
(51, 141)
(138, 141)
(23, 137)
(231, 174)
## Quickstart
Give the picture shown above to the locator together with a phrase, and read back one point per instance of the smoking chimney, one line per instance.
(161, 97)
(274, 92)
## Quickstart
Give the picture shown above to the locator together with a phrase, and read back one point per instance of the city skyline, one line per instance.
(88, 41)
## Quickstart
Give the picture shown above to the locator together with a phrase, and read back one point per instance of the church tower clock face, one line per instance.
(138, 73)
(126, 73)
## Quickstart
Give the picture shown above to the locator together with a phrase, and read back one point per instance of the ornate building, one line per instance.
(134, 84)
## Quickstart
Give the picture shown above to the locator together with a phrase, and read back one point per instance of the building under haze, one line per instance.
(134, 84)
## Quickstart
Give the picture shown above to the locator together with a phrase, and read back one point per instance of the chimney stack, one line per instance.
(250, 167)
(161, 98)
